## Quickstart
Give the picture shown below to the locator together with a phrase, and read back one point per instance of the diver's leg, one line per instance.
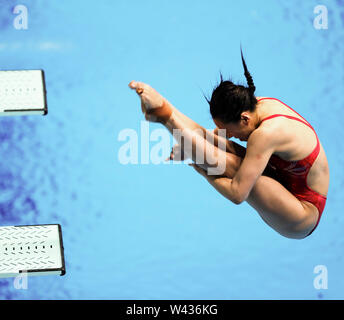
(279, 208)
(201, 150)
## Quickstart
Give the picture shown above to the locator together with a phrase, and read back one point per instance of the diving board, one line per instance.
(35, 250)
(22, 92)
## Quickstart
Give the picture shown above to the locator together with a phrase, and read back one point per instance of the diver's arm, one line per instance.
(260, 147)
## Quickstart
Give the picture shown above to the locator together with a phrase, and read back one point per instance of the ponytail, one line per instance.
(251, 86)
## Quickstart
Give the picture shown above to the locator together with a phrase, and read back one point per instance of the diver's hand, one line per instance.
(177, 154)
(153, 105)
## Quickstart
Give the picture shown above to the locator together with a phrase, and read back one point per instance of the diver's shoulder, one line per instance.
(262, 132)
(272, 132)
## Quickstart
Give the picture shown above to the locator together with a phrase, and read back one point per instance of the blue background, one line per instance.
(186, 241)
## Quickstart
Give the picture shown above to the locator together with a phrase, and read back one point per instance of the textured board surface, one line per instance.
(31, 249)
(22, 92)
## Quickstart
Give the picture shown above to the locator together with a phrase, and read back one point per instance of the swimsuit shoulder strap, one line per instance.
(304, 121)
(316, 151)
(289, 117)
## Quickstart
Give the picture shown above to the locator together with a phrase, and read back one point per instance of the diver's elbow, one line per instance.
(237, 200)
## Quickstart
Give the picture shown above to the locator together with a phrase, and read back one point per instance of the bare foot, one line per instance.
(153, 105)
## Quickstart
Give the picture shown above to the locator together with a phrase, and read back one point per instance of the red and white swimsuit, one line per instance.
(293, 174)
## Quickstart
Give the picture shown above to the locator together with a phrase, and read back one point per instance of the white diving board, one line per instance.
(22, 92)
(35, 250)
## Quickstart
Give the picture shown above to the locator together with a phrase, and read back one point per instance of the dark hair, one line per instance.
(229, 100)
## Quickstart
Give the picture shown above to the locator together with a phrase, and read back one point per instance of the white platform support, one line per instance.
(36, 250)
(22, 92)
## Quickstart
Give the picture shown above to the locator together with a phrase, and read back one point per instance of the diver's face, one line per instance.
(240, 130)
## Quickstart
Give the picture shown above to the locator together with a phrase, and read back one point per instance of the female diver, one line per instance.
(283, 173)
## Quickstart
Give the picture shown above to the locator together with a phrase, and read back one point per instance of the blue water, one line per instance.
(186, 242)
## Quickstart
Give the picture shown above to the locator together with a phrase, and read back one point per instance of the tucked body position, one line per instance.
(282, 173)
